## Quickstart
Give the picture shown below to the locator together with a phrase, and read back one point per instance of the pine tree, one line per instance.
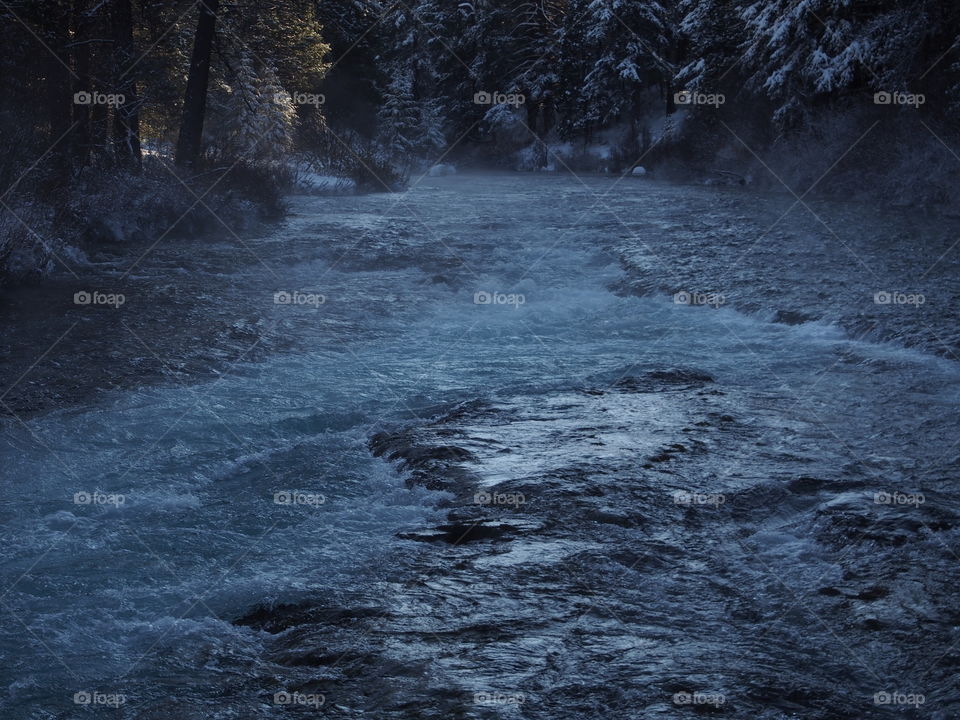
(630, 42)
(253, 117)
(710, 35)
(802, 51)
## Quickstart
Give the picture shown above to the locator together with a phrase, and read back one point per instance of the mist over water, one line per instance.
(709, 502)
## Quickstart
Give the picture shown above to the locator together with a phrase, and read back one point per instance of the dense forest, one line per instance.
(162, 107)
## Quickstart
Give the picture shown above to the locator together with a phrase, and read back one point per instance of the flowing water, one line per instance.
(480, 461)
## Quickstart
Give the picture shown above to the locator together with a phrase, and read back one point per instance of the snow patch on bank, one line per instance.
(315, 183)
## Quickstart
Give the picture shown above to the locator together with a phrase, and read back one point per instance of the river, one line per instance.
(497, 446)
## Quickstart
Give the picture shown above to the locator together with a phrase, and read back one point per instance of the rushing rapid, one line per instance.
(498, 446)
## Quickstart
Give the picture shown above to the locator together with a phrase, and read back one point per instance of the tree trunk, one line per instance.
(81, 25)
(533, 116)
(548, 113)
(58, 78)
(126, 119)
(195, 99)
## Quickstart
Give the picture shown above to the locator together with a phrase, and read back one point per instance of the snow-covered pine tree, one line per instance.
(802, 51)
(629, 41)
(536, 38)
(472, 49)
(253, 116)
(710, 35)
(410, 123)
(408, 128)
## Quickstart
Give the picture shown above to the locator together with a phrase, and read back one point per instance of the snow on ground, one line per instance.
(325, 184)
(442, 169)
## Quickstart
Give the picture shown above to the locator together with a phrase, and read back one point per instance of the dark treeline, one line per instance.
(103, 78)
(243, 93)
(803, 76)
